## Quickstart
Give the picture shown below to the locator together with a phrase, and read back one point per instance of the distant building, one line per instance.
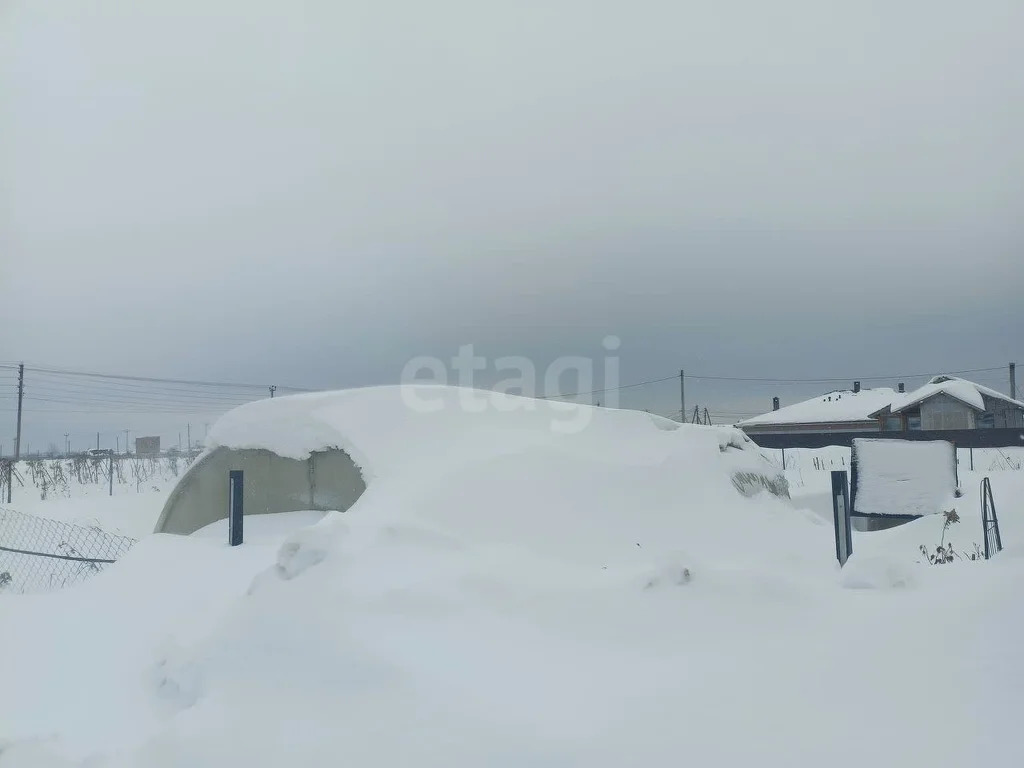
(944, 403)
(147, 446)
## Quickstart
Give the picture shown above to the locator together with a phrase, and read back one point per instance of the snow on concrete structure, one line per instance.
(324, 480)
(321, 451)
(944, 403)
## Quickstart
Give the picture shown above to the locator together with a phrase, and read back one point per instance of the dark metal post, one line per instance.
(235, 485)
(971, 449)
(110, 464)
(841, 516)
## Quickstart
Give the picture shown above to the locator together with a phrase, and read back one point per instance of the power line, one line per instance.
(824, 379)
(759, 379)
(128, 386)
(202, 406)
(115, 395)
(156, 380)
(610, 389)
(248, 385)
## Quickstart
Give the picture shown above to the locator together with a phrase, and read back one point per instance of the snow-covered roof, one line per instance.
(850, 407)
(830, 408)
(967, 392)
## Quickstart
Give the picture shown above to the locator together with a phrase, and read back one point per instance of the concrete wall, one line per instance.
(327, 480)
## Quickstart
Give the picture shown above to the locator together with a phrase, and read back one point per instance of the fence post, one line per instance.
(110, 465)
(235, 486)
(972, 457)
(8, 465)
(841, 516)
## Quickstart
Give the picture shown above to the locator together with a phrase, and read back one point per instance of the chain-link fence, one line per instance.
(40, 555)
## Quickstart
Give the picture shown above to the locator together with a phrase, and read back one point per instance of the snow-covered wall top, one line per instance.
(901, 477)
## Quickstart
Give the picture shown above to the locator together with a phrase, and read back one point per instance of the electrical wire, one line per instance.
(825, 379)
(156, 380)
(609, 389)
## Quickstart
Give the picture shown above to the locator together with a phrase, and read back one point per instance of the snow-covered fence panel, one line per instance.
(899, 480)
(41, 555)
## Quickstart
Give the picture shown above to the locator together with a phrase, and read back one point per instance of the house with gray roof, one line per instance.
(944, 403)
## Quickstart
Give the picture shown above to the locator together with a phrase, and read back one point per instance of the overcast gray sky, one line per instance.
(313, 193)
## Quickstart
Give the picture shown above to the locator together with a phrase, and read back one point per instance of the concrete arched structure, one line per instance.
(327, 480)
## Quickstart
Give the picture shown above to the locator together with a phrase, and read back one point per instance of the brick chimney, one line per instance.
(902, 387)
(775, 403)
(856, 387)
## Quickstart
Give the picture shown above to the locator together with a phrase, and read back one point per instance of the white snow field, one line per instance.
(509, 594)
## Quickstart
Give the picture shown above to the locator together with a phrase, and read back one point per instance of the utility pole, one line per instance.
(126, 450)
(682, 397)
(21, 395)
(179, 441)
(189, 432)
(1013, 388)
(97, 441)
(117, 442)
(273, 389)
(67, 445)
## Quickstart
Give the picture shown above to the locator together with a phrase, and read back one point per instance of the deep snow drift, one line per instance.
(508, 594)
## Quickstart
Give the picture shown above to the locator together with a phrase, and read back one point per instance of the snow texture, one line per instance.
(505, 595)
(902, 477)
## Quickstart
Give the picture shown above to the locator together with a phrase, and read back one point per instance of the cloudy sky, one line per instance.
(310, 194)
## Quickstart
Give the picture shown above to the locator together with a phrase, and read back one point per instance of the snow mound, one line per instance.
(385, 429)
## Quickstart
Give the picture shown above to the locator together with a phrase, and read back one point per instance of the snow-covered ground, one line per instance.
(78, 492)
(508, 595)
